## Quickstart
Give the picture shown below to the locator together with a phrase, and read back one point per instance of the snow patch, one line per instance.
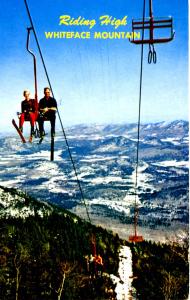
(106, 180)
(173, 141)
(124, 289)
(110, 147)
(114, 205)
(96, 158)
(172, 163)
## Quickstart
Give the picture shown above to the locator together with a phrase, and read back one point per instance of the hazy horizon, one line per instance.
(94, 80)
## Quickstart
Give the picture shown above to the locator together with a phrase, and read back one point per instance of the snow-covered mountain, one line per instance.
(105, 159)
(16, 204)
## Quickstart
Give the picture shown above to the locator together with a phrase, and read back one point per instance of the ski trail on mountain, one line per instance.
(124, 289)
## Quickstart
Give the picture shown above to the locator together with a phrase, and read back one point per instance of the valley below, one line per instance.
(105, 160)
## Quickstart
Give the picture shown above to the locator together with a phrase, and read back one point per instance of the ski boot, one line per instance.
(32, 134)
(42, 134)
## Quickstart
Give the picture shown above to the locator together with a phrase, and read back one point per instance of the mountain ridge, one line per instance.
(45, 257)
(105, 159)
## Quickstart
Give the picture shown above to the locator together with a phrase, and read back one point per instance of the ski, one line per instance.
(18, 130)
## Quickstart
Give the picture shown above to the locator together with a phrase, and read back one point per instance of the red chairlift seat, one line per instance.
(151, 25)
(27, 119)
(136, 238)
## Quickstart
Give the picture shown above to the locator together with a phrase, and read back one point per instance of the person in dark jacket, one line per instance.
(47, 110)
(28, 112)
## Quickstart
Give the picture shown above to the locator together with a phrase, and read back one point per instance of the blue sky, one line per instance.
(94, 80)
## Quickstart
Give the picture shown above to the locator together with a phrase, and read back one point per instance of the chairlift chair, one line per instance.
(150, 27)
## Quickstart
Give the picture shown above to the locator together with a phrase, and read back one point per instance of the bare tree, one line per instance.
(180, 239)
(20, 258)
(65, 269)
(170, 287)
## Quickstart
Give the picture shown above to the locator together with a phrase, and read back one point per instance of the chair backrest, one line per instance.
(151, 28)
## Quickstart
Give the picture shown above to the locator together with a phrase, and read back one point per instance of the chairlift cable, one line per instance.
(139, 122)
(64, 134)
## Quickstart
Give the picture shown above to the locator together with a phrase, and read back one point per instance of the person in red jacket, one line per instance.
(99, 264)
(27, 112)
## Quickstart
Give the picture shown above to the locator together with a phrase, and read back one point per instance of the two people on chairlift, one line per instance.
(31, 111)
